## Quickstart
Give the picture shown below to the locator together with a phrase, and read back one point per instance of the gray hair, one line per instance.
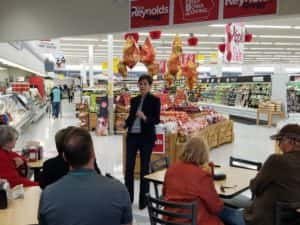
(7, 134)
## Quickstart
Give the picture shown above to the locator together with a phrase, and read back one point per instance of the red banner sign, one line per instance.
(234, 40)
(149, 13)
(159, 146)
(187, 11)
(185, 58)
(241, 8)
(162, 66)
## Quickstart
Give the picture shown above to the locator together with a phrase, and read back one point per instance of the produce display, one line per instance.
(235, 94)
(272, 106)
(293, 97)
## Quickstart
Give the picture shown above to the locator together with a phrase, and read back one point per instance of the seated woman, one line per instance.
(55, 168)
(11, 162)
(191, 180)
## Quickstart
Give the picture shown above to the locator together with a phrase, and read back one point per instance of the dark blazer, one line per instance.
(151, 109)
(54, 169)
(278, 180)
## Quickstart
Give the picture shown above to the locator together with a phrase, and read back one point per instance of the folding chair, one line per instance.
(159, 215)
(287, 213)
(156, 165)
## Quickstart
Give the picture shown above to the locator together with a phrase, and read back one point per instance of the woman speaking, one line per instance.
(143, 116)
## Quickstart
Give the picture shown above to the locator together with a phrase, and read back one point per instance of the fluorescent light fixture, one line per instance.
(263, 69)
(287, 43)
(266, 43)
(11, 64)
(232, 69)
(203, 69)
(79, 39)
(257, 26)
(292, 70)
(280, 36)
(217, 35)
(74, 45)
(267, 49)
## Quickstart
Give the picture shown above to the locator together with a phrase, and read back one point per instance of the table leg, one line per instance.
(270, 119)
(257, 118)
(36, 174)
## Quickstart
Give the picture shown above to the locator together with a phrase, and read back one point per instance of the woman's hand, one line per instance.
(19, 162)
(141, 115)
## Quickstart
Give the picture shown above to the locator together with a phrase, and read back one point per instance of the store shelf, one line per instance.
(243, 112)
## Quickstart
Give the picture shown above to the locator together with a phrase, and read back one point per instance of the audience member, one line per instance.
(278, 180)
(11, 162)
(83, 196)
(190, 180)
(55, 168)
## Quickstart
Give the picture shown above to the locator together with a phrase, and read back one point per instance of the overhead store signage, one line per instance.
(149, 13)
(187, 11)
(234, 42)
(242, 8)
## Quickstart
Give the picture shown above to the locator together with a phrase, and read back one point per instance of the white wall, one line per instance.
(24, 57)
(39, 19)
(3, 75)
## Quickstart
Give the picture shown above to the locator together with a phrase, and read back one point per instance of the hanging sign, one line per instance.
(149, 13)
(162, 66)
(241, 8)
(200, 58)
(104, 65)
(187, 11)
(234, 43)
(185, 58)
(214, 58)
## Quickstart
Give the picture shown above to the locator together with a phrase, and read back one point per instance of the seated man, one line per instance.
(278, 180)
(55, 168)
(83, 196)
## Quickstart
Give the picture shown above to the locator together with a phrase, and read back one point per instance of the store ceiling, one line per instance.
(275, 41)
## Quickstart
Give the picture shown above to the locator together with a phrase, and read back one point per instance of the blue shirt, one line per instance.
(56, 95)
(83, 197)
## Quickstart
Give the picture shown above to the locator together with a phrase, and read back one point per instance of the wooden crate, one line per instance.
(92, 121)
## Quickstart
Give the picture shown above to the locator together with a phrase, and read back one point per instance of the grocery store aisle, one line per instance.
(251, 142)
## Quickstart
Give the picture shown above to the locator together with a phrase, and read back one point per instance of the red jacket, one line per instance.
(187, 183)
(9, 171)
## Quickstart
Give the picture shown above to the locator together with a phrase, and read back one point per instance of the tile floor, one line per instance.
(251, 142)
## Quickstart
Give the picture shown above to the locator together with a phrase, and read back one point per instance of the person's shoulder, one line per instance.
(53, 161)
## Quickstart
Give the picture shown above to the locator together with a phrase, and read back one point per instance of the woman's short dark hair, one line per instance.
(146, 77)
(60, 138)
(78, 147)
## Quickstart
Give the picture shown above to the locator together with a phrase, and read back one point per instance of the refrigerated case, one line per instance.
(21, 114)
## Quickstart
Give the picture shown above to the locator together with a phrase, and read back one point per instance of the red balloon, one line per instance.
(192, 41)
(155, 34)
(221, 48)
(248, 37)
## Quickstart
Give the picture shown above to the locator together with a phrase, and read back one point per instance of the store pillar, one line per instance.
(83, 74)
(91, 65)
(110, 84)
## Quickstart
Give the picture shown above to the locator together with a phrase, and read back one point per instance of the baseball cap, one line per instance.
(291, 131)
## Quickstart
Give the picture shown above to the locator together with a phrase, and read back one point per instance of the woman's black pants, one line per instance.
(135, 142)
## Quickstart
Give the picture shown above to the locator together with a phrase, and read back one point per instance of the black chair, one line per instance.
(157, 212)
(156, 165)
(287, 214)
(241, 201)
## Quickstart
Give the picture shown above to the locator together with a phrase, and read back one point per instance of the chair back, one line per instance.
(157, 212)
(287, 213)
(245, 164)
(159, 164)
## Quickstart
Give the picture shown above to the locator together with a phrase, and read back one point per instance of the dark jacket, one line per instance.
(278, 180)
(151, 109)
(54, 169)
